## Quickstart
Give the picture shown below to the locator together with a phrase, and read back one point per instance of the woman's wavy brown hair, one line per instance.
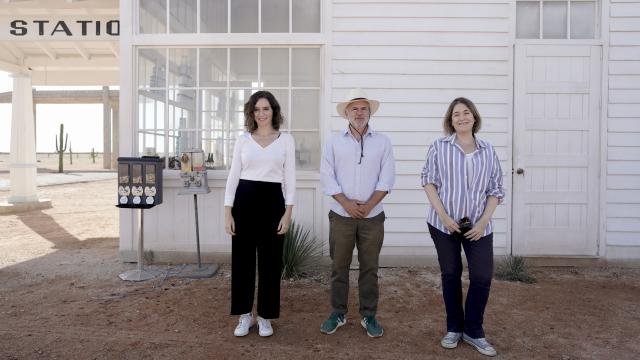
(448, 117)
(249, 118)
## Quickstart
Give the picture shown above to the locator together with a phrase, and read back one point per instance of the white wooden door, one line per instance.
(556, 149)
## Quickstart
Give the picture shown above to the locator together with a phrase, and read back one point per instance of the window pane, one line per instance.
(213, 16)
(275, 67)
(151, 142)
(582, 20)
(151, 109)
(152, 68)
(182, 68)
(213, 146)
(275, 16)
(307, 149)
(244, 67)
(282, 96)
(305, 65)
(244, 16)
(182, 16)
(527, 20)
(306, 16)
(213, 67)
(306, 109)
(554, 20)
(182, 109)
(153, 16)
(213, 107)
(237, 98)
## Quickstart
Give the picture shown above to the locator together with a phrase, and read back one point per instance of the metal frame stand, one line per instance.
(201, 271)
(140, 274)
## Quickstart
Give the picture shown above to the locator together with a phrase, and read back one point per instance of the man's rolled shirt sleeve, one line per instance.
(328, 180)
(386, 180)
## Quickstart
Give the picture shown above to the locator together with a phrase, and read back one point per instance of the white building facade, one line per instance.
(557, 84)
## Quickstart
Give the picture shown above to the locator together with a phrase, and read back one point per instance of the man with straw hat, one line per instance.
(357, 171)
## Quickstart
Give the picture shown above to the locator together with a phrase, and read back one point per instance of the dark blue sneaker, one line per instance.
(332, 324)
(374, 329)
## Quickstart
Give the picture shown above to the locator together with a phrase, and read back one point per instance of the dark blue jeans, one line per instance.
(480, 262)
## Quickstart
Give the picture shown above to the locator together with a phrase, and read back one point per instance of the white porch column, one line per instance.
(116, 136)
(22, 160)
(106, 128)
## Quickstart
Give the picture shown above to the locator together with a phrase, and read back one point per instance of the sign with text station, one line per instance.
(59, 28)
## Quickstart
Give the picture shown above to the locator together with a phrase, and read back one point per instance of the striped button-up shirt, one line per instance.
(341, 173)
(445, 169)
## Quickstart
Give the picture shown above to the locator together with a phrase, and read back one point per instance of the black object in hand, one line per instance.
(464, 225)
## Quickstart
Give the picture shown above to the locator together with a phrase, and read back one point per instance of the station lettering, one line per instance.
(51, 28)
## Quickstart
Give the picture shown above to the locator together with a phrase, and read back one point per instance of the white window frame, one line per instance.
(597, 31)
(252, 40)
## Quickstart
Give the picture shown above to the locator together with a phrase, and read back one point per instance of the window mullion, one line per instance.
(166, 102)
(290, 99)
(168, 17)
(259, 16)
(198, 16)
(226, 126)
(541, 19)
(569, 19)
(290, 16)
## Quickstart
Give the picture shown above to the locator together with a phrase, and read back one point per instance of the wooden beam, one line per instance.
(14, 50)
(13, 68)
(6, 51)
(47, 50)
(85, 55)
(114, 49)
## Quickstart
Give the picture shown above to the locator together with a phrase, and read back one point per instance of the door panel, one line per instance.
(556, 144)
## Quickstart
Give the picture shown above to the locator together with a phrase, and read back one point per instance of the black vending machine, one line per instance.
(139, 182)
(139, 187)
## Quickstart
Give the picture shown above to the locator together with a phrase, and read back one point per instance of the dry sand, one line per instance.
(61, 298)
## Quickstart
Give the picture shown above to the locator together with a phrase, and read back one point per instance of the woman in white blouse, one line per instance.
(258, 203)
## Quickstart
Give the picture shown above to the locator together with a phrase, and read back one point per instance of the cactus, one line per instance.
(70, 155)
(61, 149)
(93, 155)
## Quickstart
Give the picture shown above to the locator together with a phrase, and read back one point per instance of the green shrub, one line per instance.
(514, 268)
(301, 252)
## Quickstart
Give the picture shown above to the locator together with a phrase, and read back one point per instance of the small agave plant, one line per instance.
(514, 268)
(301, 253)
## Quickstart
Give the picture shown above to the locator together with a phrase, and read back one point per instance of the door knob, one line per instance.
(520, 171)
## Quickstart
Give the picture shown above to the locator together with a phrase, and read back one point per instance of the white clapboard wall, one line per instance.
(622, 224)
(415, 57)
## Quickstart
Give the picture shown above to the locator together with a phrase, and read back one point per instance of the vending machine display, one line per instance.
(193, 172)
(139, 182)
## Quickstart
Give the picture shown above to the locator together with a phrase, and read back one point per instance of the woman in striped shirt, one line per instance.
(463, 182)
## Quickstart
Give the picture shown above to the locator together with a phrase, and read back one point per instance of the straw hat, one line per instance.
(357, 95)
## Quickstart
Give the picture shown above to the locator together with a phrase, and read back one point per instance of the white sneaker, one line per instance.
(450, 341)
(264, 327)
(244, 324)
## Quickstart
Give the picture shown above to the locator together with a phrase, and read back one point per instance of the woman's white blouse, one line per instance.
(273, 163)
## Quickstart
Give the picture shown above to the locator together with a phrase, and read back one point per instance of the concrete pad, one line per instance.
(7, 208)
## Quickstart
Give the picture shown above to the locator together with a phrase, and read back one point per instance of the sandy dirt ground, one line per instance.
(61, 298)
(48, 163)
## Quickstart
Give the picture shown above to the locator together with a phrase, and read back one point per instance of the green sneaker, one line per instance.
(374, 329)
(332, 324)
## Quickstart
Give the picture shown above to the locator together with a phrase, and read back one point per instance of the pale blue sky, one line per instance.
(82, 122)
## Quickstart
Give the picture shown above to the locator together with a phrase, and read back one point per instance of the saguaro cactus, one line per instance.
(70, 155)
(61, 149)
(93, 155)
